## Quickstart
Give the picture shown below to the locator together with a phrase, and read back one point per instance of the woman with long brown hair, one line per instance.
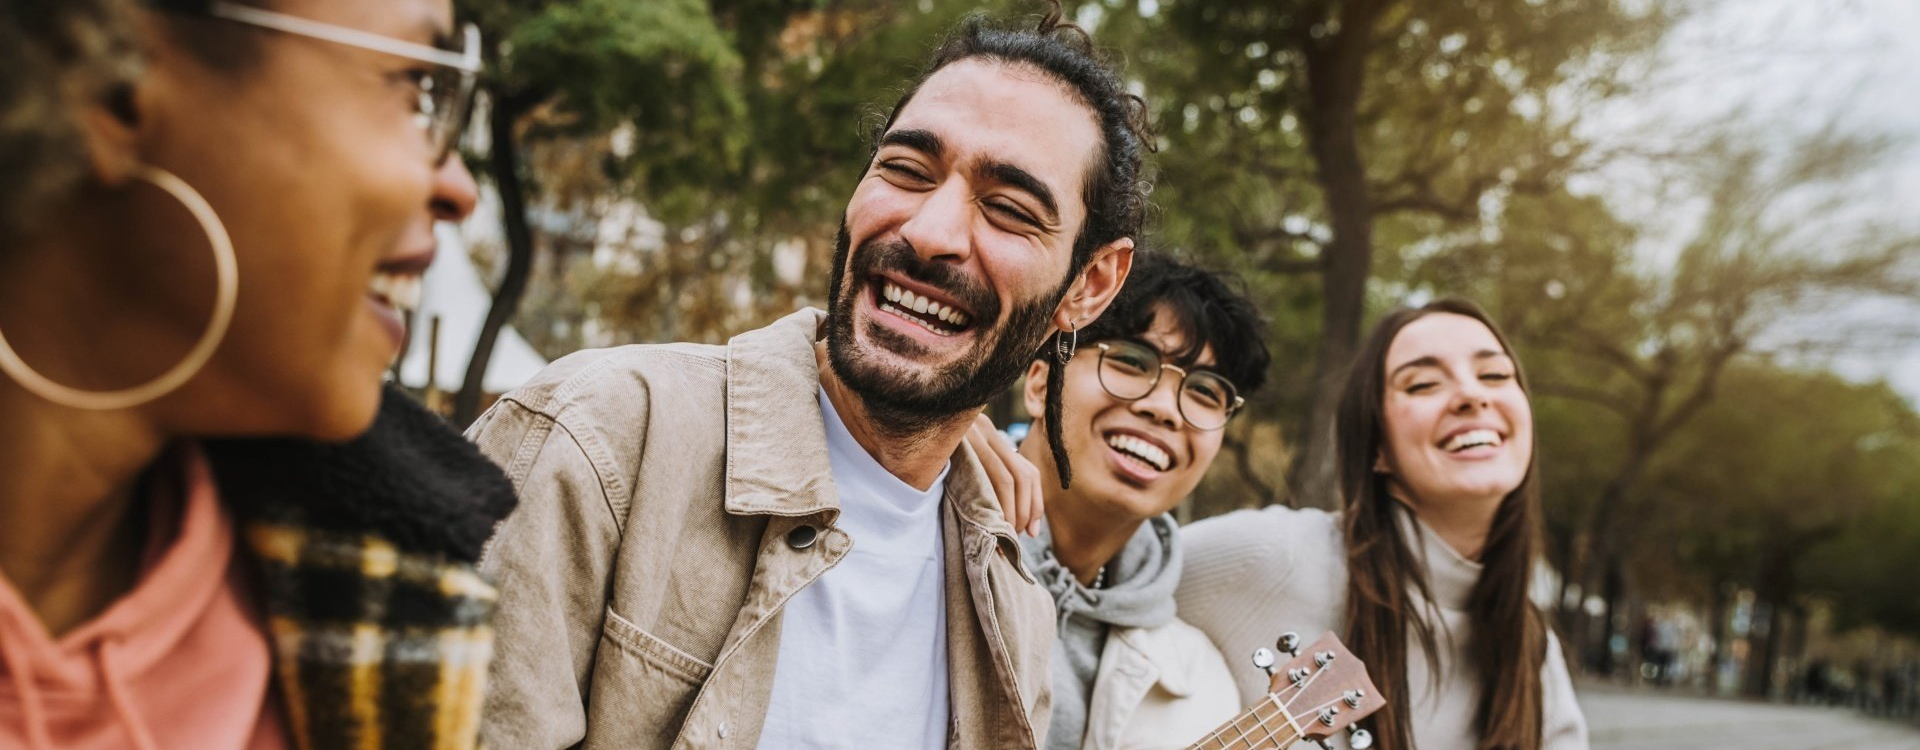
(1425, 573)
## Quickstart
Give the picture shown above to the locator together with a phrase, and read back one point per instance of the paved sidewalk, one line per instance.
(1652, 720)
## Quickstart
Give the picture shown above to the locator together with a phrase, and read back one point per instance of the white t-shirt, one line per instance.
(863, 650)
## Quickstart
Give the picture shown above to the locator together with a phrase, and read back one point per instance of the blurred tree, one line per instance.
(1302, 135)
(564, 69)
(1752, 490)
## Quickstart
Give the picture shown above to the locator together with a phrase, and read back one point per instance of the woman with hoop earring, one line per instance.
(216, 529)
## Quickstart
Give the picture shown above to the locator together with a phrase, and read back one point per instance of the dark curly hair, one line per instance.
(58, 54)
(1117, 182)
(53, 54)
(1209, 308)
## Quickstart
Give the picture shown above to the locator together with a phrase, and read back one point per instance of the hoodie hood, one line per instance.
(1138, 592)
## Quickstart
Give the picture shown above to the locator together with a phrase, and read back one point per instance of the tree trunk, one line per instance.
(1772, 592)
(1613, 592)
(1335, 71)
(504, 166)
(1717, 625)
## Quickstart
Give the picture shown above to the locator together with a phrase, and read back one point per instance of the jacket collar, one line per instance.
(773, 382)
(773, 385)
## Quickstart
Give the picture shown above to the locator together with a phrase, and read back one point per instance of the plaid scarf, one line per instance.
(366, 551)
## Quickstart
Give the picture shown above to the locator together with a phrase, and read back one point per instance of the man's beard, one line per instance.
(900, 401)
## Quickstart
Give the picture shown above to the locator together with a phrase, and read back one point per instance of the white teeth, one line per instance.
(381, 285)
(1472, 439)
(1148, 453)
(905, 300)
(402, 292)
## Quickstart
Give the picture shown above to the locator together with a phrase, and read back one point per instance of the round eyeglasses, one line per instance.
(446, 89)
(1129, 371)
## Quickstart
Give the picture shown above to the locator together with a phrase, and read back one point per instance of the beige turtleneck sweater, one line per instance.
(1254, 574)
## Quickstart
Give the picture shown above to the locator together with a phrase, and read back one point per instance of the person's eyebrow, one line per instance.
(1431, 361)
(1427, 361)
(923, 141)
(1023, 180)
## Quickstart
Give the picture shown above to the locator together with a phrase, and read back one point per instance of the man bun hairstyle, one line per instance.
(1116, 184)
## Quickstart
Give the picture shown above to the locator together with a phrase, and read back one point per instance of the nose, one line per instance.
(938, 228)
(1472, 394)
(1162, 404)
(454, 191)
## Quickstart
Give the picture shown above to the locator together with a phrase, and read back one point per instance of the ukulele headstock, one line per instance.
(1322, 690)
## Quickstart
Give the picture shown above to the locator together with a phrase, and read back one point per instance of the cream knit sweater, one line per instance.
(1254, 574)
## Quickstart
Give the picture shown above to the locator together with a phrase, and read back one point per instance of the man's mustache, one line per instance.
(898, 257)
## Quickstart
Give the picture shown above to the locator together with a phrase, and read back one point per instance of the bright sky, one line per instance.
(1791, 66)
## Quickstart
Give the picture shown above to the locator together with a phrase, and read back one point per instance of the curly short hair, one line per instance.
(58, 54)
(53, 54)
(1209, 308)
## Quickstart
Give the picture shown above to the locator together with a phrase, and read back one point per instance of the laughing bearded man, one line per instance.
(784, 541)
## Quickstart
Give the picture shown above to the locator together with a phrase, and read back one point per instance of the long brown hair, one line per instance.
(1508, 643)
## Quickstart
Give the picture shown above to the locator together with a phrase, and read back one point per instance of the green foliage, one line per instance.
(661, 67)
(1804, 473)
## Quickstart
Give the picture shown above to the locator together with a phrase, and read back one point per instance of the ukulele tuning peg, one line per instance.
(1323, 658)
(1352, 698)
(1265, 661)
(1289, 642)
(1328, 715)
(1359, 739)
(1298, 675)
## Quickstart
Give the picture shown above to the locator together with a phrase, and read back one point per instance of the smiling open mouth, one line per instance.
(401, 291)
(940, 318)
(1472, 439)
(1148, 454)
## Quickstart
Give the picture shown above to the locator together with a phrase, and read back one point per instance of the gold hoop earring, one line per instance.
(226, 268)
(1064, 350)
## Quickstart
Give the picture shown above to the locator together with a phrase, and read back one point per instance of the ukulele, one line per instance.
(1312, 697)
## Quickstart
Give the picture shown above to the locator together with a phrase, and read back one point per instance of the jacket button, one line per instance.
(802, 537)
(724, 730)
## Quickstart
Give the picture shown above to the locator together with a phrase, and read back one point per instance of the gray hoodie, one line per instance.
(1138, 593)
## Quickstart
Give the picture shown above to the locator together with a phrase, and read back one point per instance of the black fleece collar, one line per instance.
(411, 479)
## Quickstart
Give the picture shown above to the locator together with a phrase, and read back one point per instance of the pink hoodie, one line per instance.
(180, 663)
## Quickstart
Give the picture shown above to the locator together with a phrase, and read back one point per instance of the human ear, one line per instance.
(1034, 391)
(1096, 286)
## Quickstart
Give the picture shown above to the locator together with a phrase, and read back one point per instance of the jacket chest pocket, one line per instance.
(642, 687)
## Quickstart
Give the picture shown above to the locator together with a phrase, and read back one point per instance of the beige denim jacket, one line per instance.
(673, 498)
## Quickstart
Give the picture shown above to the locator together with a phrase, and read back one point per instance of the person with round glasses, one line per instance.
(1145, 394)
(217, 529)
